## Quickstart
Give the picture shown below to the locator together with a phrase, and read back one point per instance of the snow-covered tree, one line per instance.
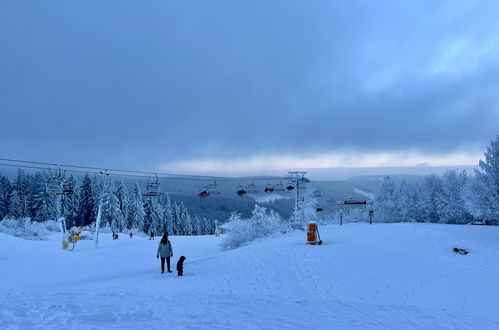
(450, 202)
(136, 209)
(5, 191)
(110, 207)
(69, 203)
(488, 182)
(16, 208)
(86, 202)
(123, 205)
(153, 215)
(385, 201)
(184, 220)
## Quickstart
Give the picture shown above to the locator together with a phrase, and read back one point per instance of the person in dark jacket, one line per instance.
(180, 266)
(165, 251)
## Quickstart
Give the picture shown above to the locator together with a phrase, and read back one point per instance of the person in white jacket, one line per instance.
(165, 251)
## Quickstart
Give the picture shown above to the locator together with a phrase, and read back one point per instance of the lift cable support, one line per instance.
(298, 179)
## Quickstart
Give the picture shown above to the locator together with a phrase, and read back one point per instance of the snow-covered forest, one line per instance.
(27, 197)
(453, 198)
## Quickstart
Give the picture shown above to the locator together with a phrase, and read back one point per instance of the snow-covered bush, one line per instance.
(241, 231)
(52, 225)
(24, 228)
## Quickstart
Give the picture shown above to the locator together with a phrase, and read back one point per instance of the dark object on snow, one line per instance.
(152, 236)
(180, 266)
(115, 235)
(460, 251)
(131, 235)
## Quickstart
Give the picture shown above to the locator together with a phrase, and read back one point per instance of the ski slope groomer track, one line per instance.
(383, 276)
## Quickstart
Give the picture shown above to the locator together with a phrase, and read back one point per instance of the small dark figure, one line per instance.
(152, 236)
(165, 251)
(131, 234)
(114, 235)
(460, 251)
(180, 266)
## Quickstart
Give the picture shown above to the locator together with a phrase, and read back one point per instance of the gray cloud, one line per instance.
(135, 84)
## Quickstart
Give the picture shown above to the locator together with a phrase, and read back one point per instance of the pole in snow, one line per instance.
(97, 226)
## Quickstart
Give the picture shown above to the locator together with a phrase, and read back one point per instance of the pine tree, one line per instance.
(451, 206)
(487, 184)
(404, 202)
(167, 215)
(16, 208)
(86, 202)
(5, 191)
(69, 203)
(42, 205)
(177, 224)
(385, 201)
(136, 209)
(110, 207)
(185, 220)
(123, 205)
(21, 184)
(153, 215)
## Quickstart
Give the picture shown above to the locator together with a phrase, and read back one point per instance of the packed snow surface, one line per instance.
(380, 276)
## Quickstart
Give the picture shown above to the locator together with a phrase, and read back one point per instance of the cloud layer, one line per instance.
(144, 85)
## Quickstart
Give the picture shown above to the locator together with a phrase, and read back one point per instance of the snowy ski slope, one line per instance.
(383, 276)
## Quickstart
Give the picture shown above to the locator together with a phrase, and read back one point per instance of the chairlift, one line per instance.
(54, 186)
(212, 188)
(152, 187)
(269, 188)
(54, 183)
(279, 187)
(241, 191)
(319, 209)
(67, 190)
(251, 188)
(203, 191)
(290, 186)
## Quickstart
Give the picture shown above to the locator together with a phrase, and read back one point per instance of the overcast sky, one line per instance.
(192, 86)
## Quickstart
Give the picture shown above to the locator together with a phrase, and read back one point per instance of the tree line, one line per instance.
(27, 197)
(455, 197)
